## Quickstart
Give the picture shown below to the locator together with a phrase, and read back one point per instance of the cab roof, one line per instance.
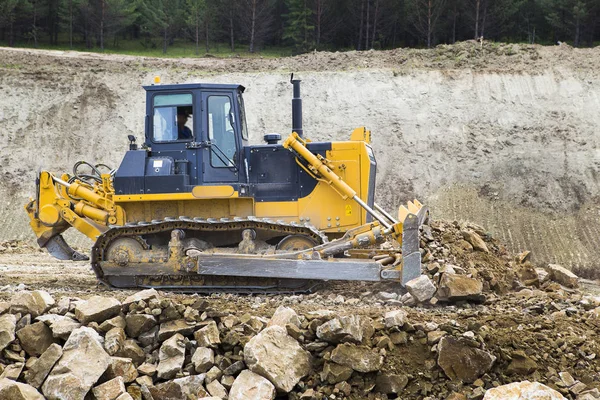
(194, 86)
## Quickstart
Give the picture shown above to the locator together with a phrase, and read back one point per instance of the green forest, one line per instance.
(285, 27)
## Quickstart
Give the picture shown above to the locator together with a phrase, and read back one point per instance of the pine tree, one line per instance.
(298, 28)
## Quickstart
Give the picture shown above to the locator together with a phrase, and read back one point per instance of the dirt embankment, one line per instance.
(502, 135)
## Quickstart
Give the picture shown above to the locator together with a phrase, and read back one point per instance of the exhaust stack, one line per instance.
(296, 107)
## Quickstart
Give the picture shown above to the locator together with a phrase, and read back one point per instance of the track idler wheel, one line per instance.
(296, 243)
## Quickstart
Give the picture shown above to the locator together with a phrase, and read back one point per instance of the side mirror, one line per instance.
(132, 145)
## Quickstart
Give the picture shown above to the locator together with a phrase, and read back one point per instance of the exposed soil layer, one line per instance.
(499, 134)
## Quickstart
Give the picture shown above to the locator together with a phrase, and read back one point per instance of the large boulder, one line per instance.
(394, 318)
(284, 316)
(110, 390)
(171, 357)
(203, 359)
(523, 391)
(8, 323)
(278, 357)
(454, 287)
(342, 329)
(40, 370)
(475, 240)
(123, 367)
(62, 328)
(208, 336)
(136, 324)
(97, 309)
(251, 386)
(169, 328)
(461, 361)
(421, 288)
(563, 276)
(114, 341)
(83, 362)
(334, 373)
(11, 390)
(359, 358)
(35, 338)
(35, 303)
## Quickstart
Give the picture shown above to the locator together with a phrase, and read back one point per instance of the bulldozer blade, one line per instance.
(411, 255)
(336, 269)
(58, 248)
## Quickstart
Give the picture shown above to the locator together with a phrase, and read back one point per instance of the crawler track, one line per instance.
(163, 277)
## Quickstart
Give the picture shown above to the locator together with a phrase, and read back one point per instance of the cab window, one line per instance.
(172, 119)
(221, 134)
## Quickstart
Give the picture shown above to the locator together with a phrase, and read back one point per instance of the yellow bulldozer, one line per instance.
(196, 208)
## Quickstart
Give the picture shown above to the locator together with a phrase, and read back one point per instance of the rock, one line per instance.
(11, 390)
(189, 387)
(521, 364)
(334, 373)
(563, 276)
(147, 369)
(81, 365)
(523, 391)
(110, 390)
(203, 359)
(40, 370)
(278, 357)
(390, 383)
(251, 386)
(208, 336)
(227, 381)
(171, 357)
(566, 378)
(474, 240)
(342, 329)
(169, 328)
(133, 351)
(234, 368)
(8, 323)
(394, 318)
(35, 303)
(216, 389)
(35, 338)
(13, 371)
(213, 373)
(462, 362)
(143, 295)
(138, 324)
(115, 322)
(114, 341)
(453, 287)
(283, 316)
(359, 358)
(62, 328)
(123, 367)
(125, 396)
(421, 288)
(435, 336)
(97, 309)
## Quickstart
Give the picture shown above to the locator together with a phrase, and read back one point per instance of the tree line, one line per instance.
(300, 25)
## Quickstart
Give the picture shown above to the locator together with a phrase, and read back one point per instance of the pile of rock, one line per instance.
(152, 347)
(461, 262)
(149, 347)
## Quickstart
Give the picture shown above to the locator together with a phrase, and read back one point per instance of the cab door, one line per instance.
(221, 154)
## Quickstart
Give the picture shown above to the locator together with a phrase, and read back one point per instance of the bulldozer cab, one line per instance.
(195, 132)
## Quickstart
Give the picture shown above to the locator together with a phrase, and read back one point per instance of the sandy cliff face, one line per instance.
(508, 140)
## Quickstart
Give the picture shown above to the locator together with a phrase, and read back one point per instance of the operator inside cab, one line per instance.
(172, 118)
(183, 131)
